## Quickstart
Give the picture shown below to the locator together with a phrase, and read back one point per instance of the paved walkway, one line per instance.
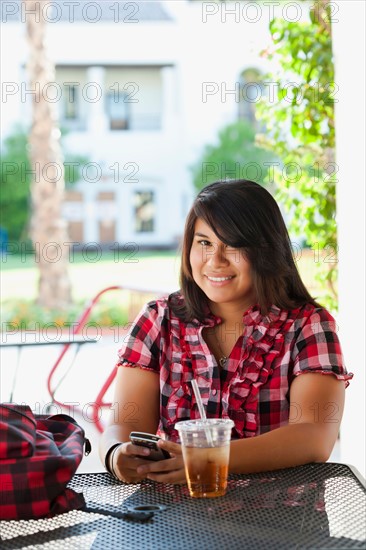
(28, 372)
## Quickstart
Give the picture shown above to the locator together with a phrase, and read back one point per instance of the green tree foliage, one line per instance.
(234, 156)
(15, 180)
(299, 120)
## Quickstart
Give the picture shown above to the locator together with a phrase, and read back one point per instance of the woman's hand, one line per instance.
(131, 467)
(126, 459)
(170, 470)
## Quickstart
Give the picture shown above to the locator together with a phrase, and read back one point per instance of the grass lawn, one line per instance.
(150, 270)
(153, 271)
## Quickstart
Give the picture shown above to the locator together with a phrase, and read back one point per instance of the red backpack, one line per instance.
(38, 457)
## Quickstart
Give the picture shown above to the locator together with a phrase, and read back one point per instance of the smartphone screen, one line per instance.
(149, 440)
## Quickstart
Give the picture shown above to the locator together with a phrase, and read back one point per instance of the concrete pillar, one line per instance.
(94, 91)
(349, 53)
(91, 233)
(170, 99)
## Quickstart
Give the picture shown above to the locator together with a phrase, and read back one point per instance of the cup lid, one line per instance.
(193, 425)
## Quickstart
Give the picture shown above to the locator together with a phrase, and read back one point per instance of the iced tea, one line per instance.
(206, 470)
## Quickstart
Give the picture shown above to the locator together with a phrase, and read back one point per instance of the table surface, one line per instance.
(7, 340)
(311, 506)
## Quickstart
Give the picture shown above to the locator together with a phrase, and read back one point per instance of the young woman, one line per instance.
(263, 352)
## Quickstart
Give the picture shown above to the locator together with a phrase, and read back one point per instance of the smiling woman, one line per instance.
(242, 325)
(245, 221)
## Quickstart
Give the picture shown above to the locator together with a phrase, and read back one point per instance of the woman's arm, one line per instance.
(136, 407)
(316, 407)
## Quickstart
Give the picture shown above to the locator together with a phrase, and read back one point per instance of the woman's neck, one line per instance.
(229, 313)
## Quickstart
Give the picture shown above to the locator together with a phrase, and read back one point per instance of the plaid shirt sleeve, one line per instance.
(317, 347)
(142, 344)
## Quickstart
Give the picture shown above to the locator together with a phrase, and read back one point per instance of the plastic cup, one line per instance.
(206, 452)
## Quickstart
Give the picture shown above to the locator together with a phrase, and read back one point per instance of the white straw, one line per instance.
(201, 410)
(198, 400)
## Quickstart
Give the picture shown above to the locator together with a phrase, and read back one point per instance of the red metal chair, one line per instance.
(99, 403)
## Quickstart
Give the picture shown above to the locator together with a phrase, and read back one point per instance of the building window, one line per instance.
(117, 110)
(144, 204)
(134, 98)
(71, 105)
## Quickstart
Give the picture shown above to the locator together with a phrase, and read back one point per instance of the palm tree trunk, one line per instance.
(48, 230)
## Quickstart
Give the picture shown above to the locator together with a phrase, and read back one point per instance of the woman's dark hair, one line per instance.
(243, 215)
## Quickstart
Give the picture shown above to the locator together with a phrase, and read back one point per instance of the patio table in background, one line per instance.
(28, 340)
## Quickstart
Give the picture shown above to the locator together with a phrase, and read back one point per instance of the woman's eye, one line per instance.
(203, 242)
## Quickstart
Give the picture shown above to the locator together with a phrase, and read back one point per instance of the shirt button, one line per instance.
(214, 392)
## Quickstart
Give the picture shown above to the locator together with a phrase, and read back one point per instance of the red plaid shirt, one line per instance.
(253, 387)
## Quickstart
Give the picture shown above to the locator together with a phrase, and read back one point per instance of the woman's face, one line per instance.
(222, 272)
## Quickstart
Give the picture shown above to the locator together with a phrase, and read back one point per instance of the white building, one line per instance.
(141, 88)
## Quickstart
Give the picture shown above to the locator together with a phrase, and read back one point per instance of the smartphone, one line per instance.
(149, 440)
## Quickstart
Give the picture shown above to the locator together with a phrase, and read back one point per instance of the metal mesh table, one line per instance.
(312, 506)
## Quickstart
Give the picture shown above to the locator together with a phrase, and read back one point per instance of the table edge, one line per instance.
(353, 469)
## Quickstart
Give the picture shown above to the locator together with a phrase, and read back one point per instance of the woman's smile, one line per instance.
(219, 280)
